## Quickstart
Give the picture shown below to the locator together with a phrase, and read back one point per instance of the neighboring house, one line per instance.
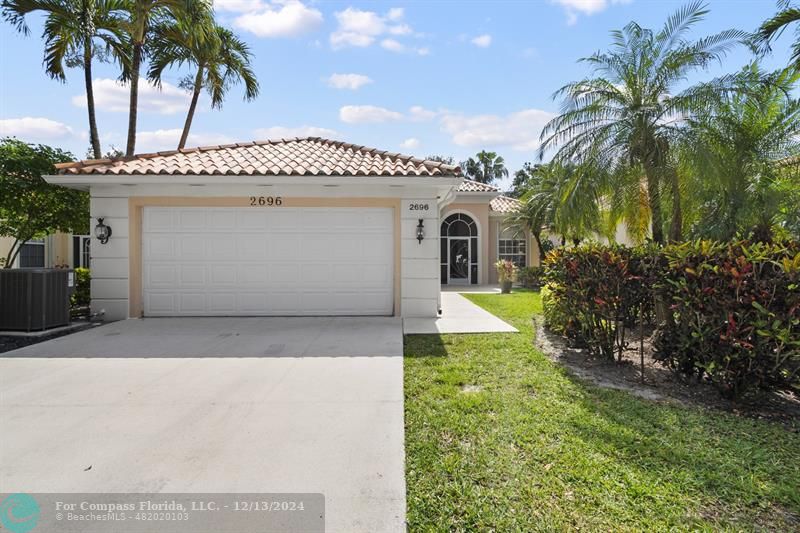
(58, 249)
(303, 226)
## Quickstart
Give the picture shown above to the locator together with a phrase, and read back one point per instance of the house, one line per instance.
(58, 249)
(303, 226)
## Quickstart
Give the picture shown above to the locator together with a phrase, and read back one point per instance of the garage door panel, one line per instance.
(161, 275)
(159, 247)
(192, 220)
(192, 276)
(268, 261)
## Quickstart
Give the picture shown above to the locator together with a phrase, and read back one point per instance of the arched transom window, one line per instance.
(459, 249)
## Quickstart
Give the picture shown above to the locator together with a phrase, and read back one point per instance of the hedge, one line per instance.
(594, 291)
(730, 313)
(734, 314)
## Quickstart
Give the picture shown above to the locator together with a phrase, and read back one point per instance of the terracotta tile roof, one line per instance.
(309, 156)
(476, 186)
(504, 204)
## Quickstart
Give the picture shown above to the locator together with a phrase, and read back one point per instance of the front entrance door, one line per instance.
(458, 249)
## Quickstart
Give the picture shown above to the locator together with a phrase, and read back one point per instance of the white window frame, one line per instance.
(83, 262)
(523, 239)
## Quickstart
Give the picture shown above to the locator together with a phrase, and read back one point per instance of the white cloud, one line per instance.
(392, 45)
(423, 51)
(348, 81)
(585, 7)
(360, 28)
(519, 130)
(35, 129)
(111, 95)
(420, 113)
(154, 141)
(367, 114)
(410, 143)
(282, 132)
(482, 41)
(396, 13)
(287, 18)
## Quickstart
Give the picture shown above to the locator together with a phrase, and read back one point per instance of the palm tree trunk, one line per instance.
(198, 86)
(94, 135)
(134, 100)
(654, 199)
(676, 226)
(538, 238)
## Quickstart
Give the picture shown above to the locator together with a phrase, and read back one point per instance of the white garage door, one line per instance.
(267, 261)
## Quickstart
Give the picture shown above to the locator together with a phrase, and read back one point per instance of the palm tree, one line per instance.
(71, 30)
(221, 60)
(735, 149)
(144, 17)
(775, 26)
(562, 200)
(626, 115)
(485, 168)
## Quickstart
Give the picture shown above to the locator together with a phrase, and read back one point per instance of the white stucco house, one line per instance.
(303, 226)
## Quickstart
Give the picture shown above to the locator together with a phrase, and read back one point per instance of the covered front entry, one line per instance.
(235, 261)
(459, 250)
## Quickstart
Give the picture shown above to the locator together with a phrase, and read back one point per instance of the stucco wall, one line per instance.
(419, 261)
(110, 261)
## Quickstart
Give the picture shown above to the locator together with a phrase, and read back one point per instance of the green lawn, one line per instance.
(534, 449)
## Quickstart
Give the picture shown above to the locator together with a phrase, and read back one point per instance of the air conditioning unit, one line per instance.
(33, 299)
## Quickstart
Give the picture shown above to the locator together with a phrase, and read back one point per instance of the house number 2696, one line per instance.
(418, 207)
(268, 201)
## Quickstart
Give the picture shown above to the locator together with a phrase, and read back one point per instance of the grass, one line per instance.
(498, 437)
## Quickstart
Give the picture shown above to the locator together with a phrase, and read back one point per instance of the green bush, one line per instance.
(82, 296)
(531, 277)
(598, 289)
(735, 314)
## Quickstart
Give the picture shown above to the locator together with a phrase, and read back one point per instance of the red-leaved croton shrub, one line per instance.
(734, 313)
(594, 290)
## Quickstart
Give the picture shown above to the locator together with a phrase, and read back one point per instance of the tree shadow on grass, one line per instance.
(735, 466)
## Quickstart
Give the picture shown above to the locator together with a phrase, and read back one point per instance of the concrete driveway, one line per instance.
(214, 405)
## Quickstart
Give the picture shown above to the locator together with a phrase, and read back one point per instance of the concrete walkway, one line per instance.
(214, 405)
(459, 315)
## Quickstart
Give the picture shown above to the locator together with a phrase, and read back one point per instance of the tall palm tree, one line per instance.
(486, 167)
(72, 31)
(627, 113)
(143, 17)
(221, 60)
(732, 154)
(772, 28)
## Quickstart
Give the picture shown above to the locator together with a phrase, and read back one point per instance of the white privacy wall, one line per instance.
(419, 262)
(109, 262)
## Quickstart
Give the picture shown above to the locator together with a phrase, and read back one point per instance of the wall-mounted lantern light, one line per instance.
(102, 232)
(420, 231)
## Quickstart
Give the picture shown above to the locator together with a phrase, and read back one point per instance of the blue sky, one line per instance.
(430, 77)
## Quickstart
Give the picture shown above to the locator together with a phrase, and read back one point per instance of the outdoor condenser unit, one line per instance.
(34, 299)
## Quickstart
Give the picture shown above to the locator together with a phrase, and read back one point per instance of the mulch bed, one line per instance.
(662, 384)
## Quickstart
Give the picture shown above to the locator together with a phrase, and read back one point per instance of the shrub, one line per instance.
(531, 277)
(735, 314)
(82, 297)
(598, 289)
